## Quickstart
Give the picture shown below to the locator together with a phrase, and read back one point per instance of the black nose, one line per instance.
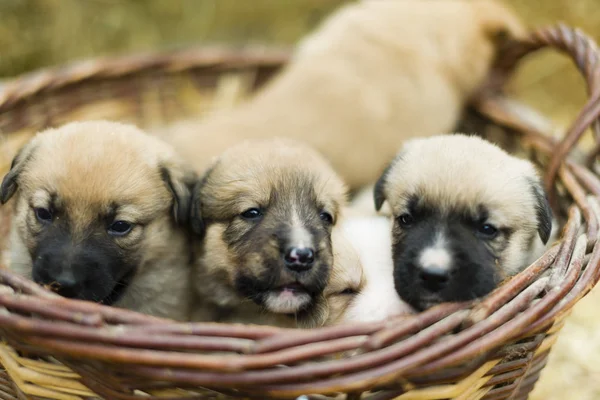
(67, 286)
(64, 284)
(299, 258)
(434, 278)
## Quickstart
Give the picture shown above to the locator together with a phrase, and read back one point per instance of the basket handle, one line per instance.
(584, 52)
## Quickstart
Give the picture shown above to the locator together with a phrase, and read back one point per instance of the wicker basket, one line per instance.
(57, 348)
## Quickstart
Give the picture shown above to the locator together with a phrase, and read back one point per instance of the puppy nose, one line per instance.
(68, 286)
(299, 258)
(434, 278)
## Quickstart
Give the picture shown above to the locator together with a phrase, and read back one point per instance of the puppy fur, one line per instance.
(347, 281)
(259, 204)
(466, 215)
(374, 74)
(376, 299)
(99, 209)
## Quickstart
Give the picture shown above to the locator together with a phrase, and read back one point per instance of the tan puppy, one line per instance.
(96, 212)
(466, 216)
(373, 75)
(266, 209)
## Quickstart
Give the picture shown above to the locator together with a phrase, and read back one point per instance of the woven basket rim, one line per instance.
(19, 87)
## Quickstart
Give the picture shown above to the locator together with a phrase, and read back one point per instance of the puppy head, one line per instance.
(466, 215)
(91, 201)
(267, 208)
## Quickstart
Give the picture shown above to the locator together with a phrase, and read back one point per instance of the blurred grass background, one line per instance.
(41, 33)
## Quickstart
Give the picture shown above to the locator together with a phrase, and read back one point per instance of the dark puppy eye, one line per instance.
(325, 216)
(251, 213)
(488, 231)
(43, 215)
(119, 228)
(406, 220)
(349, 291)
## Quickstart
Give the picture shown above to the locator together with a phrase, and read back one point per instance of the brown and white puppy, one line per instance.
(374, 74)
(466, 215)
(97, 212)
(266, 210)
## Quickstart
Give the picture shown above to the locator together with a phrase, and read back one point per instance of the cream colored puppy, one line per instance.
(374, 74)
(466, 215)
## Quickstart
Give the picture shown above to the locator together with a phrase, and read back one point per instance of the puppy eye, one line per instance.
(349, 291)
(43, 215)
(406, 220)
(489, 231)
(119, 228)
(325, 216)
(251, 213)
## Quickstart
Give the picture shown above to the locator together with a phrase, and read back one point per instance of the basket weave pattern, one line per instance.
(491, 349)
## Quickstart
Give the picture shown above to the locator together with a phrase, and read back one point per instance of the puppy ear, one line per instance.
(379, 191)
(543, 211)
(180, 181)
(9, 183)
(196, 220)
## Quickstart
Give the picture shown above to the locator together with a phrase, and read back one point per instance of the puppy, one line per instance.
(99, 209)
(266, 210)
(466, 215)
(375, 298)
(372, 75)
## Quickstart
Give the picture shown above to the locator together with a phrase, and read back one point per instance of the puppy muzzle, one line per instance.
(82, 273)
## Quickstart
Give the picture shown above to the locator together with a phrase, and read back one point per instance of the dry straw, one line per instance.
(56, 348)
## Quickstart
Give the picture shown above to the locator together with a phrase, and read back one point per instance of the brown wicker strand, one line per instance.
(505, 293)
(582, 287)
(584, 53)
(38, 82)
(297, 373)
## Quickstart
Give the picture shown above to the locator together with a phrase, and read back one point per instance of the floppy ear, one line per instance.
(379, 191)
(543, 211)
(196, 220)
(9, 183)
(180, 181)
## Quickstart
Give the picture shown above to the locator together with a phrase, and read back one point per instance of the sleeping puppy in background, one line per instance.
(374, 74)
(99, 209)
(266, 210)
(466, 215)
